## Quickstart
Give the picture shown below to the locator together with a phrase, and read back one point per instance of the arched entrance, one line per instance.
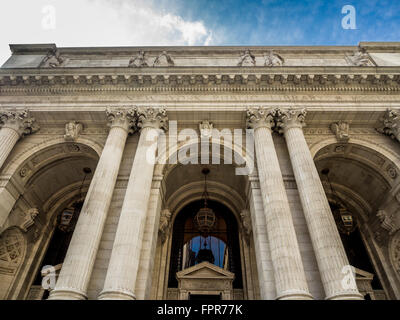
(219, 247)
(359, 183)
(228, 249)
(53, 182)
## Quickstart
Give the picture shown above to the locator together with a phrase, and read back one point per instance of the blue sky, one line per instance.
(194, 22)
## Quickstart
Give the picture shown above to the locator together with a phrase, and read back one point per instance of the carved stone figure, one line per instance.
(139, 61)
(29, 219)
(390, 124)
(246, 223)
(53, 59)
(72, 130)
(387, 221)
(341, 131)
(246, 59)
(206, 128)
(360, 59)
(272, 59)
(164, 227)
(163, 60)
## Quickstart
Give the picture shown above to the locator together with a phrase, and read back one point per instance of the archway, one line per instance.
(51, 181)
(359, 182)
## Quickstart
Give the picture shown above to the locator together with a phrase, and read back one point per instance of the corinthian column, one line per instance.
(14, 125)
(78, 264)
(290, 279)
(122, 270)
(328, 247)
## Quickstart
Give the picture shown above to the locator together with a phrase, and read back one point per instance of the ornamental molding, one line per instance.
(253, 79)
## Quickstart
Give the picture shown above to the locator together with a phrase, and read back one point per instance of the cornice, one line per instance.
(65, 80)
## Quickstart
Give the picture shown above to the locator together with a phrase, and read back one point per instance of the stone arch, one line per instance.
(191, 191)
(365, 199)
(384, 151)
(163, 165)
(12, 166)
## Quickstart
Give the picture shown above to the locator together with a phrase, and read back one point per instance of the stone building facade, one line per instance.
(307, 208)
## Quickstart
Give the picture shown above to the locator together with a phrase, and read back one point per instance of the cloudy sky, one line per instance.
(194, 22)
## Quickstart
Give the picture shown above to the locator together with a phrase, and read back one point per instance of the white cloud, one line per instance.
(98, 23)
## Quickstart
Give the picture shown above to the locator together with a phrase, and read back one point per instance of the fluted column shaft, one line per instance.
(8, 139)
(290, 279)
(14, 125)
(77, 267)
(123, 268)
(330, 254)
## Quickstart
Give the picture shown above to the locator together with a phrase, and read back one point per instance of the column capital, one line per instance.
(20, 121)
(259, 117)
(124, 118)
(153, 117)
(291, 118)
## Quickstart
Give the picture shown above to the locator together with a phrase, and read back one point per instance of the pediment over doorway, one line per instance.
(205, 279)
(205, 270)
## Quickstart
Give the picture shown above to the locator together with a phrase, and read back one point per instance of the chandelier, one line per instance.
(205, 218)
(343, 217)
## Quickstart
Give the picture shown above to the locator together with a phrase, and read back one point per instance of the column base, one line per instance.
(346, 296)
(295, 295)
(116, 295)
(67, 294)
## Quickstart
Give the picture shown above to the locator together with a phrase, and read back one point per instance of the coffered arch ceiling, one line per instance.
(51, 170)
(357, 172)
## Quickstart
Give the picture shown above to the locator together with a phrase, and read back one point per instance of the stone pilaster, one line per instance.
(14, 125)
(290, 279)
(78, 264)
(328, 247)
(123, 268)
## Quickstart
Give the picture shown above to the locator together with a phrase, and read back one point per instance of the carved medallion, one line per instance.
(12, 250)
